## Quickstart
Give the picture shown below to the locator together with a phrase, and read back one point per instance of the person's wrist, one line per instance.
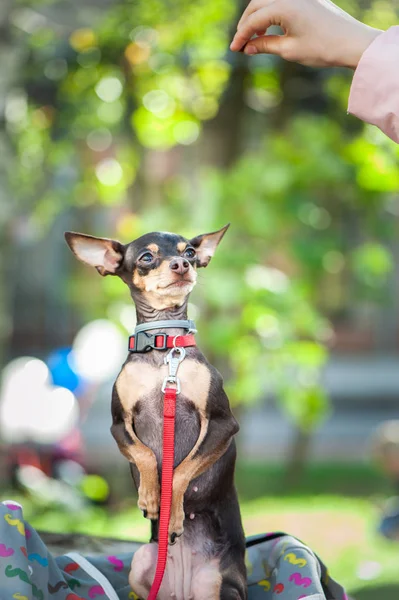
(351, 52)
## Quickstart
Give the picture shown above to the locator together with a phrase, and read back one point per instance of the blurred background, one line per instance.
(121, 117)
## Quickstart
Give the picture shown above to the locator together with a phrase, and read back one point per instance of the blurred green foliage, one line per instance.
(108, 113)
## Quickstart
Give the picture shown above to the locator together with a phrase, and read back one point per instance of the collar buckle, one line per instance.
(145, 342)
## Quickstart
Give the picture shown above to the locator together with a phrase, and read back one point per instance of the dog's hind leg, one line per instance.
(234, 585)
(209, 584)
(232, 563)
(206, 583)
(142, 569)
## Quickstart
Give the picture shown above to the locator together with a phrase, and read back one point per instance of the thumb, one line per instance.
(266, 44)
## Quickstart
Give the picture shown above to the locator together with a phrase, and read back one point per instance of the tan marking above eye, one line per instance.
(181, 246)
(153, 247)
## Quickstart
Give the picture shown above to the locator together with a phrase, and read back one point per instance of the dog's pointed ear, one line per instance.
(103, 254)
(206, 245)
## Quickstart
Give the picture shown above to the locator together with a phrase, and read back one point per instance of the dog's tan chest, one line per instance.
(140, 380)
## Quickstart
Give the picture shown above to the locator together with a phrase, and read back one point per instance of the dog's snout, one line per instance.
(179, 265)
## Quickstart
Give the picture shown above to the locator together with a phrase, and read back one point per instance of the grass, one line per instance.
(352, 480)
(340, 528)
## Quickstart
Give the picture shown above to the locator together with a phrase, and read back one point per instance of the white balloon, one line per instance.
(99, 351)
(32, 409)
(55, 415)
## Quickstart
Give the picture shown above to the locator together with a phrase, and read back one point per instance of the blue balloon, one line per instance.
(60, 364)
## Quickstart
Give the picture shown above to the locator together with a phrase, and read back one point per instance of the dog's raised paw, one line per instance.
(176, 523)
(153, 515)
(175, 531)
(148, 503)
(173, 537)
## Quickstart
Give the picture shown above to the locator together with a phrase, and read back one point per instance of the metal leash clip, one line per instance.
(173, 361)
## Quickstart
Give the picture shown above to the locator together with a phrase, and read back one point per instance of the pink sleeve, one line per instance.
(374, 95)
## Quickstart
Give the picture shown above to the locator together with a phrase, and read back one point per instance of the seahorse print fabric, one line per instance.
(279, 568)
(29, 572)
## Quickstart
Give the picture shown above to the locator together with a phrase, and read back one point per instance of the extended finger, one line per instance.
(252, 7)
(257, 21)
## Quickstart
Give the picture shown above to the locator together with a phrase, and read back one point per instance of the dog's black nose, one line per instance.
(179, 265)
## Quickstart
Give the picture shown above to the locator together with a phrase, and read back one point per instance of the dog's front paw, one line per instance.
(176, 523)
(148, 501)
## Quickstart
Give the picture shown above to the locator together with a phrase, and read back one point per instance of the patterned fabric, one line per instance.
(279, 568)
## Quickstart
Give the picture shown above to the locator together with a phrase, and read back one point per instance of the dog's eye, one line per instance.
(147, 257)
(189, 253)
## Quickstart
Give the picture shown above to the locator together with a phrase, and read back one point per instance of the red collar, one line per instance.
(144, 342)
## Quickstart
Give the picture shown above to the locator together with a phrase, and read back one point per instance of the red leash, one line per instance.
(168, 453)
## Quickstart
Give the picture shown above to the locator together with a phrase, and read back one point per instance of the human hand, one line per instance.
(316, 32)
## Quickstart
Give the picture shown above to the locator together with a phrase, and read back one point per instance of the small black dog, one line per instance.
(207, 563)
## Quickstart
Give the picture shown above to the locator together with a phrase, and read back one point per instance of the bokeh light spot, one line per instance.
(159, 103)
(82, 39)
(99, 139)
(16, 107)
(95, 487)
(109, 89)
(109, 172)
(136, 54)
(144, 36)
(268, 278)
(186, 132)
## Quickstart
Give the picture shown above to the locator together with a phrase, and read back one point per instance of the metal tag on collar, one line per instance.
(173, 361)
